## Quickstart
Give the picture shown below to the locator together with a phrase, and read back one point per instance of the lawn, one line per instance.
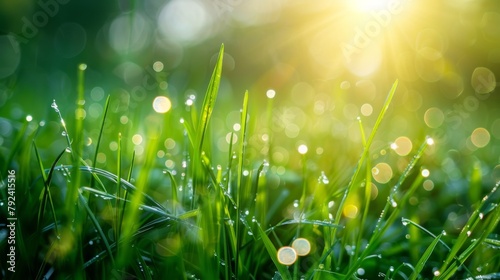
(203, 158)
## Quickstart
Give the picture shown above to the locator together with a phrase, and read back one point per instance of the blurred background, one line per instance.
(317, 66)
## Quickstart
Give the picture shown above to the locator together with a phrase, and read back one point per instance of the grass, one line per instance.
(134, 219)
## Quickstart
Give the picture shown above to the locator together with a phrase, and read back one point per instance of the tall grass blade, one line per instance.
(202, 125)
(97, 226)
(125, 195)
(425, 256)
(240, 190)
(131, 221)
(119, 213)
(271, 250)
(383, 225)
(365, 153)
(175, 199)
(99, 137)
(476, 218)
(46, 193)
(367, 194)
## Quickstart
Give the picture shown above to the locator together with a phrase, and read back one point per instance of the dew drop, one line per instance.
(54, 105)
(323, 179)
(469, 233)
(360, 271)
(394, 203)
(404, 222)
(481, 216)
(437, 273)
(295, 203)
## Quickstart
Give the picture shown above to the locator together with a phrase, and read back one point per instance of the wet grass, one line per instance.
(200, 220)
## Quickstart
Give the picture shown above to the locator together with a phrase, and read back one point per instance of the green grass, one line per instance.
(134, 219)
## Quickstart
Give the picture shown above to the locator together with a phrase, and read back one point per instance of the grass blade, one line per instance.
(97, 226)
(239, 191)
(477, 216)
(425, 256)
(271, 250)
(99, 138)
(46, 182)
(365, 152)
(202, 126)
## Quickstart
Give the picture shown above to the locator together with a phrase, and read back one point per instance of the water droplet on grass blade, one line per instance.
(54, 105)
(323, 179)
(404, 222)
(360, 271)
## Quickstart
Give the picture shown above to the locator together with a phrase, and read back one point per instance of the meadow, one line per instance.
(230, 139)
(176, 206)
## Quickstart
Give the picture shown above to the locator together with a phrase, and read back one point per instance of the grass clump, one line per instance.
(200, 220)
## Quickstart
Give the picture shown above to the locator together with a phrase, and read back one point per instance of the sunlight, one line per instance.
(370, 5)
